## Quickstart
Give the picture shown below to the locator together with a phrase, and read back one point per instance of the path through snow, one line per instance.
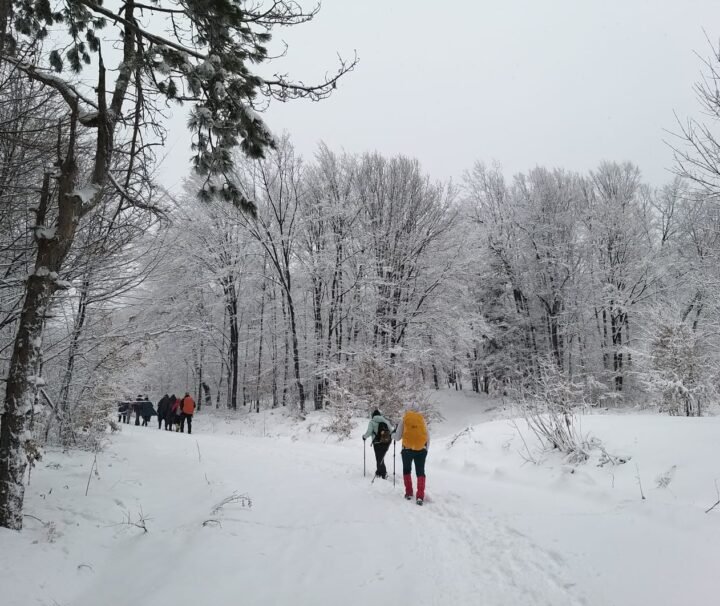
(493, 532)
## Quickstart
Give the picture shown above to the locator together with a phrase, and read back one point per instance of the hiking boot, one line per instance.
(408, 497)
(419, 501)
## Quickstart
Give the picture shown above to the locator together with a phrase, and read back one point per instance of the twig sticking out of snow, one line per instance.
(664, 479)
(465, 432)
(92, 467)
(235, 497)
(606, 457)
(717, 492)
(639, 481)
(141, 521)
(529, 457)
(50, 527)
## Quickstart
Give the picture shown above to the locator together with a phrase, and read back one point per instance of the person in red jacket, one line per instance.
(187, 410)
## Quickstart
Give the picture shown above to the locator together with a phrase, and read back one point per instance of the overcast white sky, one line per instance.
(559, 83)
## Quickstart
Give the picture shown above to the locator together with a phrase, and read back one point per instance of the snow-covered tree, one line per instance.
(204, 60)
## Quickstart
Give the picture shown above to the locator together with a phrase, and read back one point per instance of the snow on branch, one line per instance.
(67, 91)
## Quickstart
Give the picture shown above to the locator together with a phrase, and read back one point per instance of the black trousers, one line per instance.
(160, 420)
(380, 452)
(418, 456)
(183, 417)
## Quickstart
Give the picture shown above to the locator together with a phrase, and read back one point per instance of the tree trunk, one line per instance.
(295, 346)
(66, 433)
(245, 363)
(260, 342)
(319, 389)
(201, 360)
(232, 308)
(274, 350)
(616, 331)
(208, 396)
(286, 356)
(14, 433)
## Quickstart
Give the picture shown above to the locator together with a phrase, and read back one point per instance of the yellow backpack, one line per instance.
(414, 431)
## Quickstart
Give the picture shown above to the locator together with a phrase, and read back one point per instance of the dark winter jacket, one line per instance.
(163, 406)
(147, 409)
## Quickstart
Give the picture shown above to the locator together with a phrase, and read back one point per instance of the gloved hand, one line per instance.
(364, 438)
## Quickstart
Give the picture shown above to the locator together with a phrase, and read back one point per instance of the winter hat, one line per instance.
(375, 413)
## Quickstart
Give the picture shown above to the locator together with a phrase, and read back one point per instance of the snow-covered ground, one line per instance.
(496, 529)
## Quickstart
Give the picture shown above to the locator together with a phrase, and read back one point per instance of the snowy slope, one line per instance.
(496, 530)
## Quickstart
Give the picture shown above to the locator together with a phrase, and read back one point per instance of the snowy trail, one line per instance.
(332, 538)
(318, 532)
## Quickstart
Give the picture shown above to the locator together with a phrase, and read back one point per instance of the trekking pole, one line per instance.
(393, 464)
(363, 458)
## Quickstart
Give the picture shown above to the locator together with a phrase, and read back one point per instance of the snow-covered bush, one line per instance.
(373, 383)
(550, 407)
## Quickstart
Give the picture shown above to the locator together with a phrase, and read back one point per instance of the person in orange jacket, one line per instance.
(413, 432)
(187, 410)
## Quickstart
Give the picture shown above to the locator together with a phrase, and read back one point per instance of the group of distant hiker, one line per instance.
(174, 412)
(413, 432)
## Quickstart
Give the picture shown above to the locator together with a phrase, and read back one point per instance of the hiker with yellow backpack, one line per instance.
(413, 432)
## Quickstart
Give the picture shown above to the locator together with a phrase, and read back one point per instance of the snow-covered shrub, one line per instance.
(550, 407)
(90, 421)
(373, 383)
(84, 423)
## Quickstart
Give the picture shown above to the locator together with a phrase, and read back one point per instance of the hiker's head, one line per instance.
(413, 405)
(187, 393)
(375, 413)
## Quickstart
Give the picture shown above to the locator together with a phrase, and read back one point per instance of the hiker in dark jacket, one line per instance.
(123, 411)
(162, 411)
(136, 407)
(147, 411)
(381, 438)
